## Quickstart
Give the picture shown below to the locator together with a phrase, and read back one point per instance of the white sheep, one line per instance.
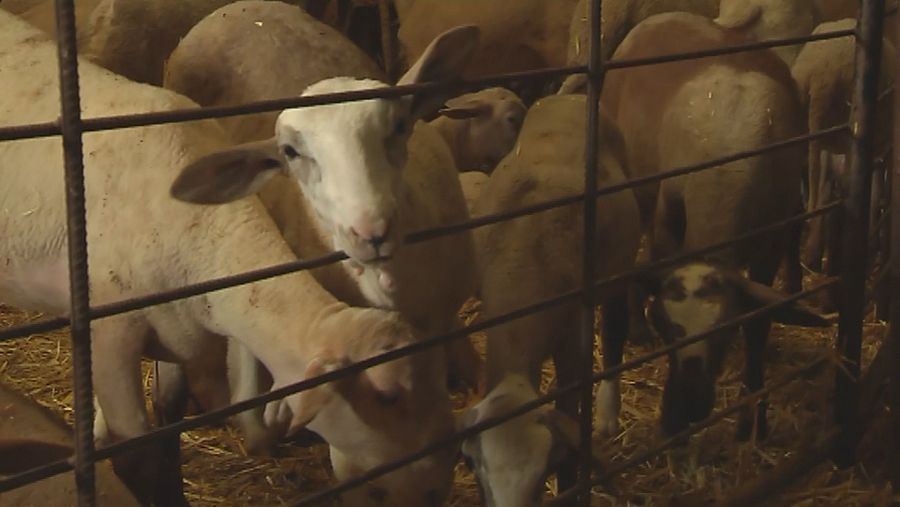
(426, 282)
(142, 241)
(534, 258)
(32, 436)
(132, 38)
(671, 118)
(481, 127)
(824, 71)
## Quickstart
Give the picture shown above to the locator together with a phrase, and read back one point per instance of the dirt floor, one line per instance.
(218, 472)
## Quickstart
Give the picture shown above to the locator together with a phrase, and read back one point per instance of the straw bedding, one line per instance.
(218, 472)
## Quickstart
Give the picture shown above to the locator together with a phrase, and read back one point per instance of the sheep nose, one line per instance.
(374, 232)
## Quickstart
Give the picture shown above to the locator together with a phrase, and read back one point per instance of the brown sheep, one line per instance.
(704, 109)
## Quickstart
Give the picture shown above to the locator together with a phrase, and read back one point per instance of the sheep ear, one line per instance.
(798, 313)
(468, 109)
(278, 414)
(739, 14)
(228, 175)
(649, 281)
(443, 60)
(20, 454)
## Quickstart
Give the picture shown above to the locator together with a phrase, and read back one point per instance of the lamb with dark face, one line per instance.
(695, 298)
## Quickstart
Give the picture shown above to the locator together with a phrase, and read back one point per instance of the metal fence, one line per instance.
(851, 284)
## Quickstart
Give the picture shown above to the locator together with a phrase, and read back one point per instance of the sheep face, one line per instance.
(348, 159)
(380, 415)
(513, 460)
(695, 298)
(692, 299)
(492, 120)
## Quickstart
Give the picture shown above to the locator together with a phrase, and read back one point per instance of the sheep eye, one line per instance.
(289, 152)
(468, 462)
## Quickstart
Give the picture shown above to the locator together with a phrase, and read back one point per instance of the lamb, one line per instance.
(132, 38)
(481, 127)
(678, 121)
(426, 282)
(31, 436)
(155, 243)
(824, 73)
(533, 258)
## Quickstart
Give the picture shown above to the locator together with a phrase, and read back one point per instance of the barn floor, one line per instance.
(217, 471)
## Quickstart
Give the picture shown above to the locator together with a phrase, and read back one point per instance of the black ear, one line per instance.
(650, 282)
(228, 175)
(798, 313)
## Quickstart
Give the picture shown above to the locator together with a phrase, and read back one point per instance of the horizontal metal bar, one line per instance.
(524, 408)
(355, 368)
(694, 428)
(220, 414)
(693, 55)
(755, 314)
(191, 290)
(610, 189)
(716, 417)
(18, 132)
(196, 289)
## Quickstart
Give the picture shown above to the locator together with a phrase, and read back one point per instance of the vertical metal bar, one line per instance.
(387, 38)
(893, 339)
(71, 128)
(854, 247)
(591, 155)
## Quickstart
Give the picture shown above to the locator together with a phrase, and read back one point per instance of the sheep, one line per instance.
(824, 71)
(132, 38)
(259, 35)
(31, 436)
(618, 18)
(533, 258)
(695, 297)
(519, 35)
(705, 109)
(428, 282)
(481, 127)
(771, 19)
(472, 183)
(141, 241)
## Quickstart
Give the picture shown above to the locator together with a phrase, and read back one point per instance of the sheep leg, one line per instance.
(818, 182)
(566, 359)
(244, 372)
(615, 329)
(169, 392)
(756, 336)
(118, 344)
(793, 271)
